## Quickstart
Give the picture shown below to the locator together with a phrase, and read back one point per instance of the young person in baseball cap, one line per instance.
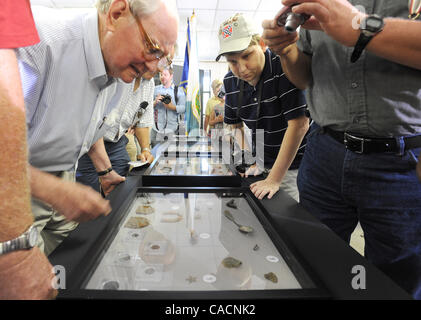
(259, 95)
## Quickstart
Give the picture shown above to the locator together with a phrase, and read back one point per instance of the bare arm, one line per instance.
(15, 210)
(398, 42)
(215, 119)
(75, 201)
(24, 274)
(102, 162)
(142, 135)
(294, 135)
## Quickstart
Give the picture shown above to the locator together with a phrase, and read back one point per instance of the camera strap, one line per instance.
(176, 94)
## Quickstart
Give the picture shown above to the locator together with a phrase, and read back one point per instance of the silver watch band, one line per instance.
(12, 245)
(27, 240)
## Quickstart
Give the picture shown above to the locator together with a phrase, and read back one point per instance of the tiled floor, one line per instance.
(357, 240)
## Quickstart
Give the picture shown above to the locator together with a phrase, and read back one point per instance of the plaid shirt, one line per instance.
(125, 114)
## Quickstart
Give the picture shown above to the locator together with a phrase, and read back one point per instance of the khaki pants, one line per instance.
(131, 147)
(52, 227)
(289, 184)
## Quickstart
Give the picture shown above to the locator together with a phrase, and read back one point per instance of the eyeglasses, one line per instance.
(164, 63)
(153, 50)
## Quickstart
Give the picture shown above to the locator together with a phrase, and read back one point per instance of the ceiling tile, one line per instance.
(194, 4)
(222, 15)
(270, 5)
(210, 14)
(244, 5)
(259, 16)
(204, 19)
(73, 3)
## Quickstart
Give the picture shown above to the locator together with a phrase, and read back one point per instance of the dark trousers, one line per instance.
(380, 190)
(86, 172)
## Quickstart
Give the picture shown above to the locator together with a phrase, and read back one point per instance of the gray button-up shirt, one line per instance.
(63, 78)
(372, 97)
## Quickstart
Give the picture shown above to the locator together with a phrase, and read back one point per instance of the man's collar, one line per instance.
(94, 58)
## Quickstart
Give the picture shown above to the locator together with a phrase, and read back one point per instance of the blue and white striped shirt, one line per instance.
(281, 101)
(63, 78)
(168, 119)
(125, 113)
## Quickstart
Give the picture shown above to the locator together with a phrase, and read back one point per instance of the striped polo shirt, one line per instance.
(280, 101)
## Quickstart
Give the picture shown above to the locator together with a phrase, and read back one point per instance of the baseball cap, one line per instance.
(235, 34)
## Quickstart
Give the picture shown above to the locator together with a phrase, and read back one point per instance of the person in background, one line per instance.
(167, 113)
(215, 100)
(25, 272)
(361, 72)
(259, 94)
(133, 110)
(68, 80)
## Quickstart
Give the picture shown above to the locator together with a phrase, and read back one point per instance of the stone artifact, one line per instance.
(145, 209)
(230, 262)
(136, 223)
(271, 277)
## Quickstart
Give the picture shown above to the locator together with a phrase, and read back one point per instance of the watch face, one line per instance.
(373, 24)
(33, 236)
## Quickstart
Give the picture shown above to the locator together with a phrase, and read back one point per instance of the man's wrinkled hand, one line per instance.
(78, 202)
(277, 38)
(337, 18)
(110, 181)
(145, 156)
(26, 275)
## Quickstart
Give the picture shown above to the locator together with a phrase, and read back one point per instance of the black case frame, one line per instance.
(81, 274)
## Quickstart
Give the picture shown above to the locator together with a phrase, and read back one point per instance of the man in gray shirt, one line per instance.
(68, 80)
(362, 75)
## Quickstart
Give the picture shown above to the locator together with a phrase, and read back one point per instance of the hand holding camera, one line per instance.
(290, 20)
(165, 99)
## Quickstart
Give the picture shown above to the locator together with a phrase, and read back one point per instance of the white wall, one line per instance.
(218, 69)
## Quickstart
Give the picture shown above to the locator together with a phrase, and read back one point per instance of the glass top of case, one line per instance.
(189, 242)
(199, 166)
(189, 147)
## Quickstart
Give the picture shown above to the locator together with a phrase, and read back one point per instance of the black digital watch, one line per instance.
(370, 26)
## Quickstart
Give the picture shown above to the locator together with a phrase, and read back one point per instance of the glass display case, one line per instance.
(199, 148)
(210, 242)
(191, 172)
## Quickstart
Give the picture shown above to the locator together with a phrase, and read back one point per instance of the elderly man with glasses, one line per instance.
(69, 81)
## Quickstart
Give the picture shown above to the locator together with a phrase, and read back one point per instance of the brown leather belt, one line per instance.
(359, 144)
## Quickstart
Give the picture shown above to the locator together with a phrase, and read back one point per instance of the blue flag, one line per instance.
(190, 80)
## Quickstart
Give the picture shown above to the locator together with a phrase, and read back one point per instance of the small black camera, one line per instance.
(166, 99)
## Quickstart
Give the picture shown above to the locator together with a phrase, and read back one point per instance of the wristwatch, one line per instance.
(27, 240)
(103, 173)
(370, 26)
(146, 149)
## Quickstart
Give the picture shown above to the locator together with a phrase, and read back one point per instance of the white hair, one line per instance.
(140, 8)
